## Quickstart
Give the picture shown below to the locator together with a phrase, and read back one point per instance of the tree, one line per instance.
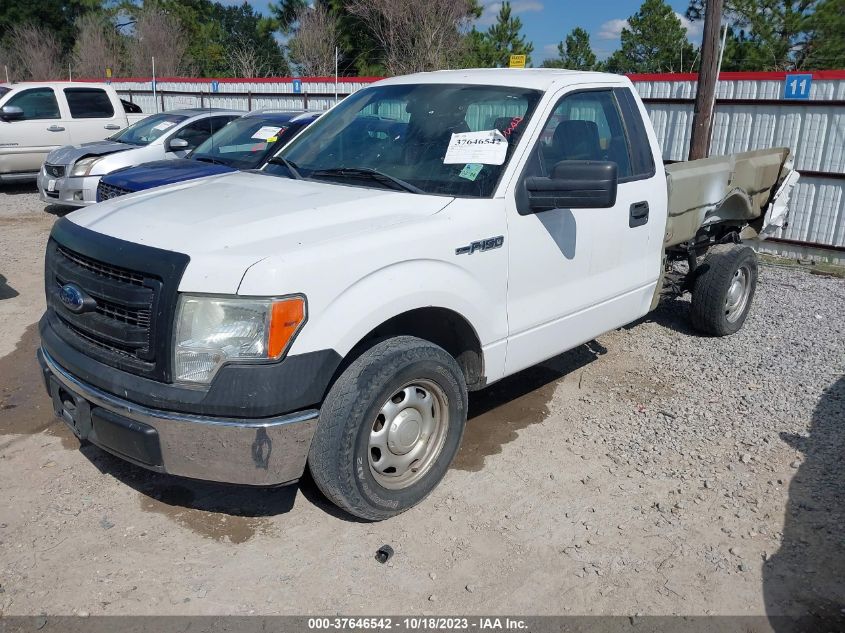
(827, 43)
(777, 34)
(215, 32)
(98, 46)
(653, 41)
(575, 53)
(499, 42)
(414, 38)
(58, 17)
(33, 52)
(159, 34)
(312, 49)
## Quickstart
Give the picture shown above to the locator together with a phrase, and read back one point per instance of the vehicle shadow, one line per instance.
(495, 414)
(6, 291)
(18, 188)
(59, 210)
(673, 313)
(804, 582)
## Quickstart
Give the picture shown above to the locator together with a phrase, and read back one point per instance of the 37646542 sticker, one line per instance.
(488, 147)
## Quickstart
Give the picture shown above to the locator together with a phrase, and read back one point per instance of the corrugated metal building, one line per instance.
(751, 113)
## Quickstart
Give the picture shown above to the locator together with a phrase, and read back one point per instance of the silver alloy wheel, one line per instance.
(408, 434)
(738, 291)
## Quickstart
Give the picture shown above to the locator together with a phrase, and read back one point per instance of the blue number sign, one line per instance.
(297, 86)
(797, 86)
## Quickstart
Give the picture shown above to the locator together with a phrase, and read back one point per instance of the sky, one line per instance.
(546, 22)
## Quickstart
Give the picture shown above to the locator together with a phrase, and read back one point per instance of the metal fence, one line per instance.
(752, 111)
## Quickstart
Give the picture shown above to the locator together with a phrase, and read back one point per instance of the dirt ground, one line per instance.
(649, 472)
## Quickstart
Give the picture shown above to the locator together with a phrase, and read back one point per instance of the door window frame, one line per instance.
(79, 89)
(58, 117)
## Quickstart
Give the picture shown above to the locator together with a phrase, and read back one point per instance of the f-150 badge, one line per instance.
(481, 245)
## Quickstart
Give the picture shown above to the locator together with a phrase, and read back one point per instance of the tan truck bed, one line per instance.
(739, 189)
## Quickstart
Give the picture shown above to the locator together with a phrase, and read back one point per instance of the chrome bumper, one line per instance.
(263, 452)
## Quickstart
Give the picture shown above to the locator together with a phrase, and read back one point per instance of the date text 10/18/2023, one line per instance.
(418, 623)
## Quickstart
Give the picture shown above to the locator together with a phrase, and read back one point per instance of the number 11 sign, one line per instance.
(797, 86)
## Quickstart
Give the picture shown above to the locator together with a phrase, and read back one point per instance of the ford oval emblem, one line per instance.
(72, 297)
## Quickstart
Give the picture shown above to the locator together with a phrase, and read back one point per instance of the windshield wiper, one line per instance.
(278, 160)
(372, 174)
(208, 159)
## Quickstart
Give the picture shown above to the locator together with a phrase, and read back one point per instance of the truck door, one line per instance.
(576, 273)
(92, 115)
(26, 141)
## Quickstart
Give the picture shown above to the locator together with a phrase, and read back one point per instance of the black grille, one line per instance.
(128, 324)
(100, 268)
(56, 171)
(106, 191)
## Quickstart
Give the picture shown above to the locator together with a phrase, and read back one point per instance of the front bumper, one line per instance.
(256, 452)
(79, 191)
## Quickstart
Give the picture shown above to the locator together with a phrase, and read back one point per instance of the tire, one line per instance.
(398, 388)
(723, 289)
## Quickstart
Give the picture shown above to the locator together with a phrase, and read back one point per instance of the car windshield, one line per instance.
(446, 139)
(244, 143)
(147, 130)
(4, 90)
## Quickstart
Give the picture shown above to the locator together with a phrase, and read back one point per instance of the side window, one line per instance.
(585, 126)
(642, 160)
(89, 103)
(195, 133)
(37, 103)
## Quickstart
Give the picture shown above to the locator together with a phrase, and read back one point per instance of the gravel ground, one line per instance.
(652, 471)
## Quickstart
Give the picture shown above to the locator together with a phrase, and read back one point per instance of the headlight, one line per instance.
(83, 166)
(211, 331)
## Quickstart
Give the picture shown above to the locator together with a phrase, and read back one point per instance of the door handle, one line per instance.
(111, 126)
(638, 214)
(55, 128)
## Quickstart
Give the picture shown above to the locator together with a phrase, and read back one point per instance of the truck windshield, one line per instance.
(243, 143)
(149, 129)
(445, 139)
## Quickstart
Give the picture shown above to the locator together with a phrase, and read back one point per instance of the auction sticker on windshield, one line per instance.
(266, 132)
(488, 147)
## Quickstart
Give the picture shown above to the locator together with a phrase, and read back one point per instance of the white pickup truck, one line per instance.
(428, 236)
(36, 118)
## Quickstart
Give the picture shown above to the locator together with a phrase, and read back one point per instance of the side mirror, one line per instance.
(574, 184)
(11, 113)
(178, 144)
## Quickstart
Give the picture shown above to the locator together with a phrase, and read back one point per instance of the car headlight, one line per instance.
(83, 166)
(211, 331)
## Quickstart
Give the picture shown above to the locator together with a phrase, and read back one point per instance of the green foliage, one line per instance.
(494, 47)
(57, 16)
(826, 48)
(575, 53)
(213, 29)
(781, 34)
(654, 41)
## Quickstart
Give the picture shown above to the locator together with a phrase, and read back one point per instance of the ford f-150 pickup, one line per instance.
(428, 236)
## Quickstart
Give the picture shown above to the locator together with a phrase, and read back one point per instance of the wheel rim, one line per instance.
(408, 434)
(737, 295)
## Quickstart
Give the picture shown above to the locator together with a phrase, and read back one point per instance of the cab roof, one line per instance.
(536, 78)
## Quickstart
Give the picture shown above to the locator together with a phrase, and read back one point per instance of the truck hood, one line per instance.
(227, 223)
(71, 153)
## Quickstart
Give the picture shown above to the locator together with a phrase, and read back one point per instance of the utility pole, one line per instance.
(705, 96)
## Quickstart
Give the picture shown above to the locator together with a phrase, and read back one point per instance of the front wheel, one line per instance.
(724, 289)
(389, 428)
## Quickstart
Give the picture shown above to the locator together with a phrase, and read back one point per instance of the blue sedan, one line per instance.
(245, 143)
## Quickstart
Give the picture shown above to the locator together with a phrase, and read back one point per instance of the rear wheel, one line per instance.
(389, 428)
(723, 289)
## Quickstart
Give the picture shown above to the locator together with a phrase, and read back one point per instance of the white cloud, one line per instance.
(694, 29)
(612, 29)
(491, 10)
